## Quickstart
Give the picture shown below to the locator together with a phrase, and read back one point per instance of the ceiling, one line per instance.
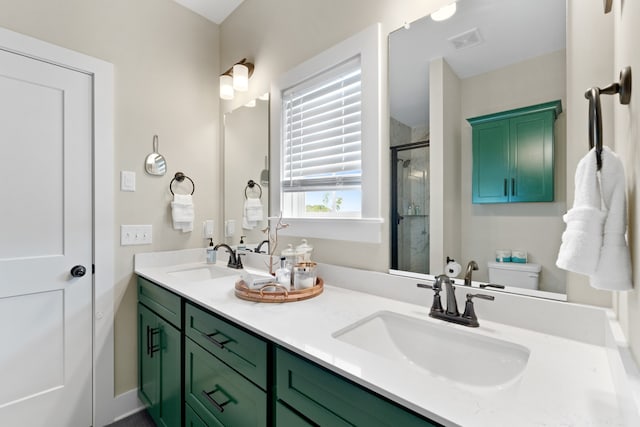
(511, 31)
(214, 10)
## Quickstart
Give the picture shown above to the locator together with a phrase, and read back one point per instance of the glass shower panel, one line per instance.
(411, 184)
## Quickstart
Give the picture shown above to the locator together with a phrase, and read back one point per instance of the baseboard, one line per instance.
(126, 404)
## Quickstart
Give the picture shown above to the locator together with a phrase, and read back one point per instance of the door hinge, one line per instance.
(93, 269)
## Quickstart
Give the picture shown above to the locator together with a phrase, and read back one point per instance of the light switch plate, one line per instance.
(127, 181)
(136, 235)
(207, 229)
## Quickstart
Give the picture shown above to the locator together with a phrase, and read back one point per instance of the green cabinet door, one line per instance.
(491, 167)
(532, 157)
(148, 370)
(159, 358)
(513, 155)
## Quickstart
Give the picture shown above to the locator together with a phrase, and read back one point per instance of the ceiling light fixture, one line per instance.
(445, 12)
(235, 78)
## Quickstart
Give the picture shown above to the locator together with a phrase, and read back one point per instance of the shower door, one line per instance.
(410, 207)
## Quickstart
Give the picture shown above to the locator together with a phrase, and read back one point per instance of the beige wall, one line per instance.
(166, 65)
(627, 137)
(589, 62)
(280, 34)
(444, 165)
(534, 227)
(246, 143)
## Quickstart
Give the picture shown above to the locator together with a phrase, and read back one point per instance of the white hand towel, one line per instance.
(614, 266)
(253, 209)
(582, 239)
(252, 213)
(182, 212)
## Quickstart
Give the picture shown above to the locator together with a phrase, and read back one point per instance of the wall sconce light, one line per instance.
(445, 12)
(235, 78)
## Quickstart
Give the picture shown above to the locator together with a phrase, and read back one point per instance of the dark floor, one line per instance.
(139, 419)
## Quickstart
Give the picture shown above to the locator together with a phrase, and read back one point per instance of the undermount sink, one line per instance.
(200, 273)
(465, 357)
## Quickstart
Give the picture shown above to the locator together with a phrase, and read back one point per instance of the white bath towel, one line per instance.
(582, 239)
(182, 212)
(252, 213)
(614, 266)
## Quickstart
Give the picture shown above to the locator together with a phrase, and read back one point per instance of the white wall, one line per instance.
(166, 67)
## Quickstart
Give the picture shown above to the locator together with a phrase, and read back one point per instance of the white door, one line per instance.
(45, 230)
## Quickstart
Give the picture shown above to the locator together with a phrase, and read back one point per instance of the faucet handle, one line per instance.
(481, 296)
(491, 285)
(469, 311)
(436, 306)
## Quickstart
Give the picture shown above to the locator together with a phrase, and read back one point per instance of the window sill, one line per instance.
(368, 230)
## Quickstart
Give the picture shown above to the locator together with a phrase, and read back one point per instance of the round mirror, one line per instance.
(155, 164)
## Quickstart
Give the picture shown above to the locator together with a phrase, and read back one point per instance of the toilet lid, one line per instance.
(529, 266)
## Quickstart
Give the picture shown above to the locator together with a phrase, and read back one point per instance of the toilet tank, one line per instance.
(515, 274)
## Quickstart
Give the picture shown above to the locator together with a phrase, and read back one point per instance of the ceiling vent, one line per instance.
(467, 39)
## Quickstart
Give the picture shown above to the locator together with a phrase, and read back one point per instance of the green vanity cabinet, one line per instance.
(325, 398)
(513, 157)
(197, 369)
(159, 355)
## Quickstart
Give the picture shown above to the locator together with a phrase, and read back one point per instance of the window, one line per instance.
(322, 144)
(325, 142)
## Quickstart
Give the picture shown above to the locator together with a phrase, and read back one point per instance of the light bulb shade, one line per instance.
(445, 12)
(226, 87)
(240, 77)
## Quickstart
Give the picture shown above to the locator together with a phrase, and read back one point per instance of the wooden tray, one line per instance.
(281, 294)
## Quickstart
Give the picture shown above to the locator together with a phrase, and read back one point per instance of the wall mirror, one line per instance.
(246, 151)
(491, 56)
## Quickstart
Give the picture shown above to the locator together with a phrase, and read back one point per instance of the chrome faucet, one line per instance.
(451, 314)
(471, 266)
(234, 259)
(259, 247)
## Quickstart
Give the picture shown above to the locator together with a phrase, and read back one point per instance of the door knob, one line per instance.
(78, 271)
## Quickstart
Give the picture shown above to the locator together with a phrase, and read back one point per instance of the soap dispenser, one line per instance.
(241, 246)
(211, 252)
(283, 274)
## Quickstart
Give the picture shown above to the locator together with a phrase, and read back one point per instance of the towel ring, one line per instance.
(179, 176)
(251, 184)
(623, 89)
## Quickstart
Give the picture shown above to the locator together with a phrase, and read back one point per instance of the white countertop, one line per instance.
(567, 382)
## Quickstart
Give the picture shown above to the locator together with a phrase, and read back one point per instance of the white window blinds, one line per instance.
(322, 131)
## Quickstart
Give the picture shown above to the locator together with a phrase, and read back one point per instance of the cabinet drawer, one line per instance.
(328, 399)
(218, 394)
(287, 418)
(242, 351)
(160, 300)
(191, 419)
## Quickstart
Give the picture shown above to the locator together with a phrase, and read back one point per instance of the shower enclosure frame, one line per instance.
(395, 215)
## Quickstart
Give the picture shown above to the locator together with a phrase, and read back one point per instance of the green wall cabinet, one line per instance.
(513, 157)
(159, 363)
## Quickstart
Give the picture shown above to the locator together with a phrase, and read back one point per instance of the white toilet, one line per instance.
(514, 274)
